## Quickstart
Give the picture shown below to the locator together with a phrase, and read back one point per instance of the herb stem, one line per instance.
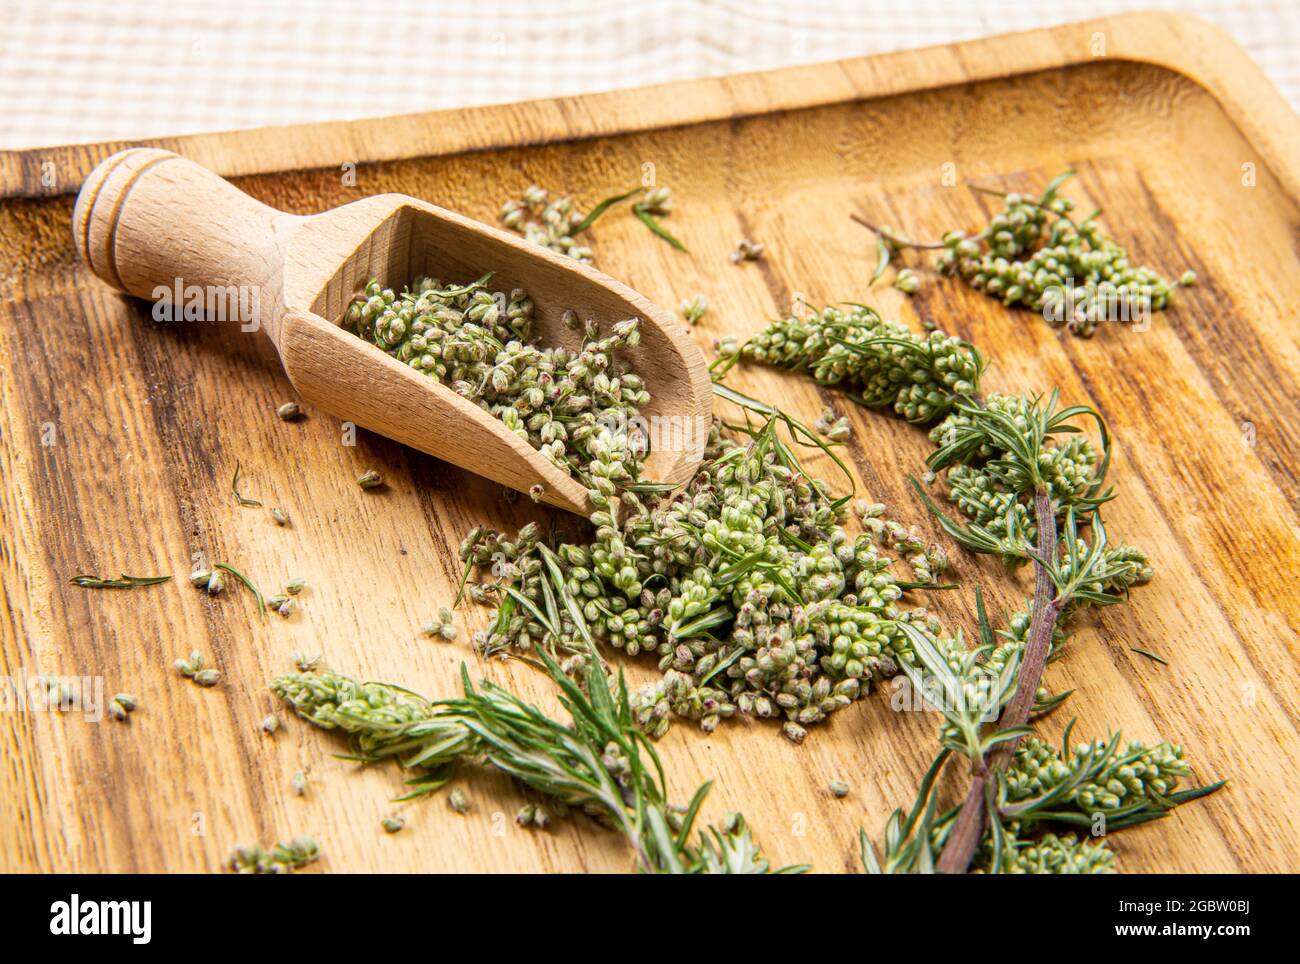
(261, 605)
(651, 222)
(234, 488)
(1047, 608)
(895, 239)
(968, 829)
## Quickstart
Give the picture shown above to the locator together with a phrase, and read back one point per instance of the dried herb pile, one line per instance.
(755, 594)
(756, 589)
(1033, 253)
(479, 343)
(1028, 486)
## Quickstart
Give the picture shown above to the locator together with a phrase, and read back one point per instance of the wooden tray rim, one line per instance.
(1181, 43)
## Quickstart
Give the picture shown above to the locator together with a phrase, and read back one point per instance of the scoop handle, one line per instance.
(153, 224)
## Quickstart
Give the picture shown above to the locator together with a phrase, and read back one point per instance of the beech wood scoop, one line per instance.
(148, 218)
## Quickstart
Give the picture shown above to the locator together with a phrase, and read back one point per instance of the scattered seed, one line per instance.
(746, 250)
(443, 626)
(304, 662)
(906, 281)
(694, 309)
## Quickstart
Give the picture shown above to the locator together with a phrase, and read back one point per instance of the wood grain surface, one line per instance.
(120, 435)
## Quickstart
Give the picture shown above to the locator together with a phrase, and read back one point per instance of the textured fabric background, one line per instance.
(89, 70)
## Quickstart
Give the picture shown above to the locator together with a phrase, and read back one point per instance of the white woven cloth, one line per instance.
(89, 70)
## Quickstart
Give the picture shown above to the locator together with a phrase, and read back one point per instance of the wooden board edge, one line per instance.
(1184, 44)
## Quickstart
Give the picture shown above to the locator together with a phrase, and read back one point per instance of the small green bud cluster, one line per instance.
(194, 669)
(443, 627)
(927, 559)
(1048, 854)
(882, 362)
(907, 282)
(1045, 786)
(1097, 777)
(561, 401)
(555, 223)
(1032, 253)
(210, 580)
(745, 586)
(694, 309)
(332, 700)
(283, 858)
(122, 706)
(977, 452)
(1103, 785)
(832, 428)
(533, 815)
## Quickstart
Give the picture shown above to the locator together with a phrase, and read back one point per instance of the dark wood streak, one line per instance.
(1189, 552)
(1215, 346)
(65, 546)
(193, 476)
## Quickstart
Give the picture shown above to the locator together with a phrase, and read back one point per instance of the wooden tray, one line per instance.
(119, 438)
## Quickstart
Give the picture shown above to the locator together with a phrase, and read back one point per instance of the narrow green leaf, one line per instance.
(650, 222)
(882, 259)
(870, 864)
(600, 209)
(121, 582)
(1150, 655)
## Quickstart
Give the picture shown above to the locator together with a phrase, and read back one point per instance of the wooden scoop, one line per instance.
(148, 220)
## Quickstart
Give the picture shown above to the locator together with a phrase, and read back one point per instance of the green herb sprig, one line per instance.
(599, 761)
(746, 587)
(121, 582)
(555, 222)
(1028, 481)
(1033, 253)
